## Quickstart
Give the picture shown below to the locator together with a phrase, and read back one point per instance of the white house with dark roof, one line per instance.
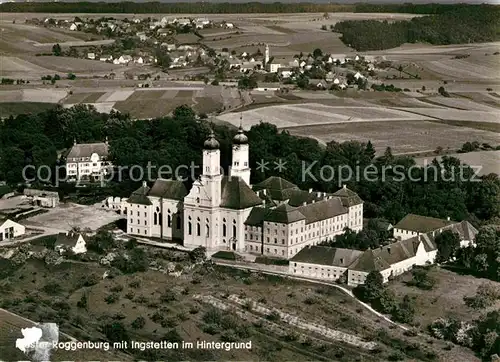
(70, 241)
(88, 161)
(10, 230)
(219, 212)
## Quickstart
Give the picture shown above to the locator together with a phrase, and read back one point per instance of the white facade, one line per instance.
(79, 246)
(88, 161)
(10, 230)
(240, 164)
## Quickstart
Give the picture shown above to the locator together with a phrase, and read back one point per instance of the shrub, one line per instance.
(422, 279)
(274, 316)
(52, 288)
(112, 298)
(138, 323)
(168, 296)
(116, 288)
(134, 284)
(486, 296)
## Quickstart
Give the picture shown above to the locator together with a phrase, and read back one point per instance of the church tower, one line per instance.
(240, 164)
(266, 55)
(212, 176)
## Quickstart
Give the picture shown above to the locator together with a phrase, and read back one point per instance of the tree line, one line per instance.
(224, 8)
(38, 139)
(461, 24)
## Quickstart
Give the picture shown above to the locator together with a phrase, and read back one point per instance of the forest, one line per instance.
(222, 8)
(38, 139)
(463, 24)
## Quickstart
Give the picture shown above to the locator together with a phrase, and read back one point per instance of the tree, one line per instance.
(369, 151)
(422, 279)
(373, 286)
(447, 243)
(247, 82)
(405, 311)
(115, 332)
(56, 50)
(198, 254)
(317, 53)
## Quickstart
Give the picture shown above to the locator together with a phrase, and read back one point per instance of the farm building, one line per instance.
(10, 230)
(70, 241)
(42, 198)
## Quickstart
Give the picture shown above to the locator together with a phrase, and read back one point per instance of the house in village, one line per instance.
(91, 56)
(71, 241)
(10, 230)
(272, 218)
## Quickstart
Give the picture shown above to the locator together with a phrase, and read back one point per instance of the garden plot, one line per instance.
(256, 29)
(459, 115)
(401, 136)
(488, 160)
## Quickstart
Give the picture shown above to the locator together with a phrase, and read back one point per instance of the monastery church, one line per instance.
(273, 218)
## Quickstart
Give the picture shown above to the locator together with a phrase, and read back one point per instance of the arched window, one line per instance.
(178, 222)
(155, 218)
(234, 228)
(169, 220)
(198, 227)
(207, 228)
(190, 226)
(224, 228)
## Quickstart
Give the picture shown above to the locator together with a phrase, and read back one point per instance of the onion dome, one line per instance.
(211, 143)
(240, 138)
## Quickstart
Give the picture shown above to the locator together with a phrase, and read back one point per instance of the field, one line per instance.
(401, 136)
(488, 160)
(447, 297)
(15, 108)
(33, 67)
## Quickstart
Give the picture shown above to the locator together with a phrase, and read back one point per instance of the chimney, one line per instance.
(318, 194)
(344, 186)
(264, 192)
(74, 141)
(313, 201)
(448, 218)
(304, 203)
(144, 184)
(106, 140)
(324, 194)
(310, 191)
